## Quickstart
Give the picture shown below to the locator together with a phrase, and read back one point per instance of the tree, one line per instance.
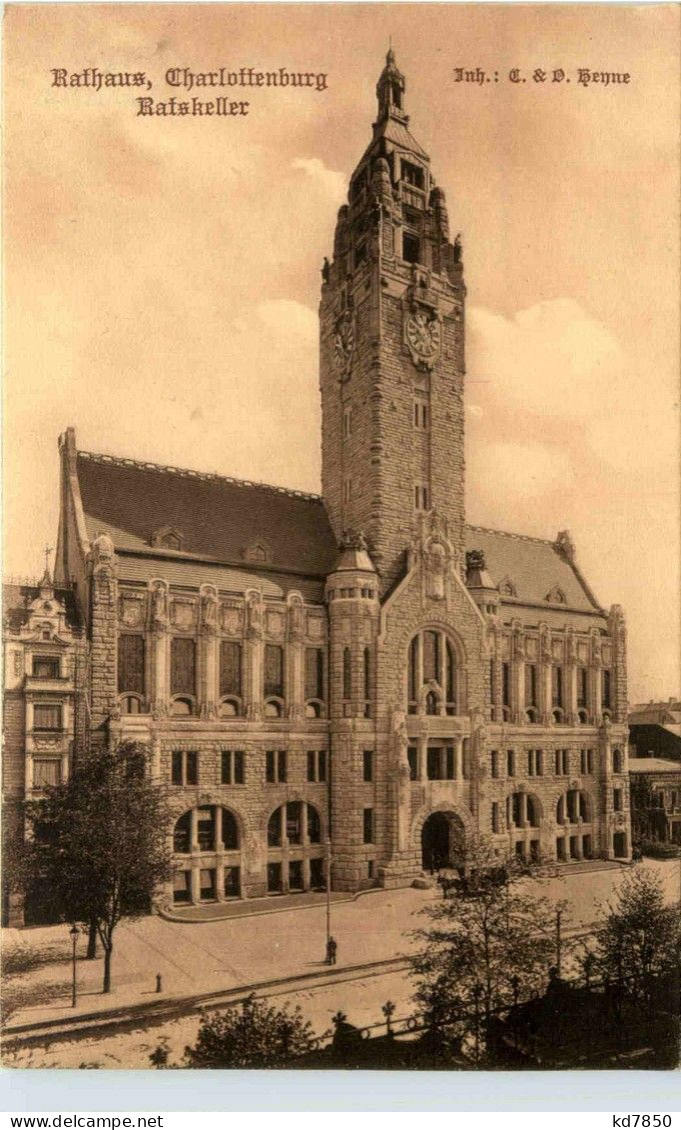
(253, 1034)
(639, 937)
(486, 933)
(100, 842)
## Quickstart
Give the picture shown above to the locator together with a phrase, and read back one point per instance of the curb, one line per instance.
(171, 1007)
(168, 916)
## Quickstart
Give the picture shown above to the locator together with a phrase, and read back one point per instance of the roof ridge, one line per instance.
(509, 534)
(203, 476)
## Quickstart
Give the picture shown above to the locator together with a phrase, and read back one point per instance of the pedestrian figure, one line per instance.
(331, 950)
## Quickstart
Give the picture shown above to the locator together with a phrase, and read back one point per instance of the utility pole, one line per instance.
(327, 859)
(559, 915)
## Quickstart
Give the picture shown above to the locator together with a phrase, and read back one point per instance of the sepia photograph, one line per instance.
(341, 618)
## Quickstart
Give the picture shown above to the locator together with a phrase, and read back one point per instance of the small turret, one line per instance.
(479, 583)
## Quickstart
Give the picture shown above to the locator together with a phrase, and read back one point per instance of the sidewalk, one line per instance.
(221, 955)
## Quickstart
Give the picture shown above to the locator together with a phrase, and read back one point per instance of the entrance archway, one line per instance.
(442, 841)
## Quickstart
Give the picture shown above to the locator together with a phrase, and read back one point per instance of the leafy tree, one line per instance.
(100, 842)
(253, 1034)
(639, 937)
(484, 934)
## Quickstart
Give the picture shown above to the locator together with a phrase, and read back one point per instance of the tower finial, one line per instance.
(46, 579)
(390, 88)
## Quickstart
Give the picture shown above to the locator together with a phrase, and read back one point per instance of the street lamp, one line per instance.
(73, 933)
(327, 860)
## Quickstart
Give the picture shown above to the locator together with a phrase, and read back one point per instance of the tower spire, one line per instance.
(390, 89)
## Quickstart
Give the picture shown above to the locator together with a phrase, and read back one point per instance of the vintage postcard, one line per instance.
(342, 709)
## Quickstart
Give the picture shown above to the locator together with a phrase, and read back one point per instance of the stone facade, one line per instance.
(45, 713)
(360, 676)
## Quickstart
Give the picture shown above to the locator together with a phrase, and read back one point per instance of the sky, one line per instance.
(162, 273)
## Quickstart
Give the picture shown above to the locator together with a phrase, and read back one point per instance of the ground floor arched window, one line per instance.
(574, 828)
(295, 853)
(206, 843)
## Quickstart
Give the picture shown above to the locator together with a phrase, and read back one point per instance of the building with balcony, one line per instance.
(361, 666)
(45, 675)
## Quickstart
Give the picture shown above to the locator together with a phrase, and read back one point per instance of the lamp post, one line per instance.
(327, 861)
(73, 934)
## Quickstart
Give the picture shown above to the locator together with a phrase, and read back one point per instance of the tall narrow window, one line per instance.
(131, 664)
(347, 422)
(495, 816)
(557, 686)
(347, 489)
(182, 666)
(347, 673)
(606, 689)
(421, 420)
(274, 670)
(232, 767)
(582, 687)
(421, 496)
(230, 668)
(367, 681)
(368, 825)
(411, 248)
(506, 684)
(275, 766)
(531, 684)
(314, 673)
(368, 759)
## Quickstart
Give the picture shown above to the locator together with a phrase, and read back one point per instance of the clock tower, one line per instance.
(392, 349)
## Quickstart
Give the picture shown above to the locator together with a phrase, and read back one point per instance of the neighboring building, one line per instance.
(655, 800)
(655, 729)
(44, 682)
(366, 666)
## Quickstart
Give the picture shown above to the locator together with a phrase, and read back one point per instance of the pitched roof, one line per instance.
(218, 518)
(653, 765)
(534, 566)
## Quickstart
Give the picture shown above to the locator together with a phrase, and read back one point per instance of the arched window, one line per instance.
(432, 676)
(617, 761)
(229, 708)
(274, 708)
(573, 806)
(216, 827)
(347, 673)
(181, 707)
(131, 704)
(297, 822)
(523, 811)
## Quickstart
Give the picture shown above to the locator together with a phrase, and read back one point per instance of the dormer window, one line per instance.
(412, 174)
(167, 537)
(556, 596)
(507, 588)
(257, 554)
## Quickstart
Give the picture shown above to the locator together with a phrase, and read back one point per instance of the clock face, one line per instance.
(344, 342)
(423, 334)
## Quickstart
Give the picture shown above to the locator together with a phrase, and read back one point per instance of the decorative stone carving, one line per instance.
(545, 643)
(209, 610)
(344, 345)
(159, 606)
(231, 619)
(296, 617)
(254, 615)
(435, 560)
(275, 622)
(102, 549)
(518, 642)
(183, 614)
(596, 646)
(565, 545)
(315, 627)
(131, 609)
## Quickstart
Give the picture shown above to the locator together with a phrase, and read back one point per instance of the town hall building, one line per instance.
(360, 667)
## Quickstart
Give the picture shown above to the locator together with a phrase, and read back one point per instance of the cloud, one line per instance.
(285, 317)
(332, 182)
(553, 366)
